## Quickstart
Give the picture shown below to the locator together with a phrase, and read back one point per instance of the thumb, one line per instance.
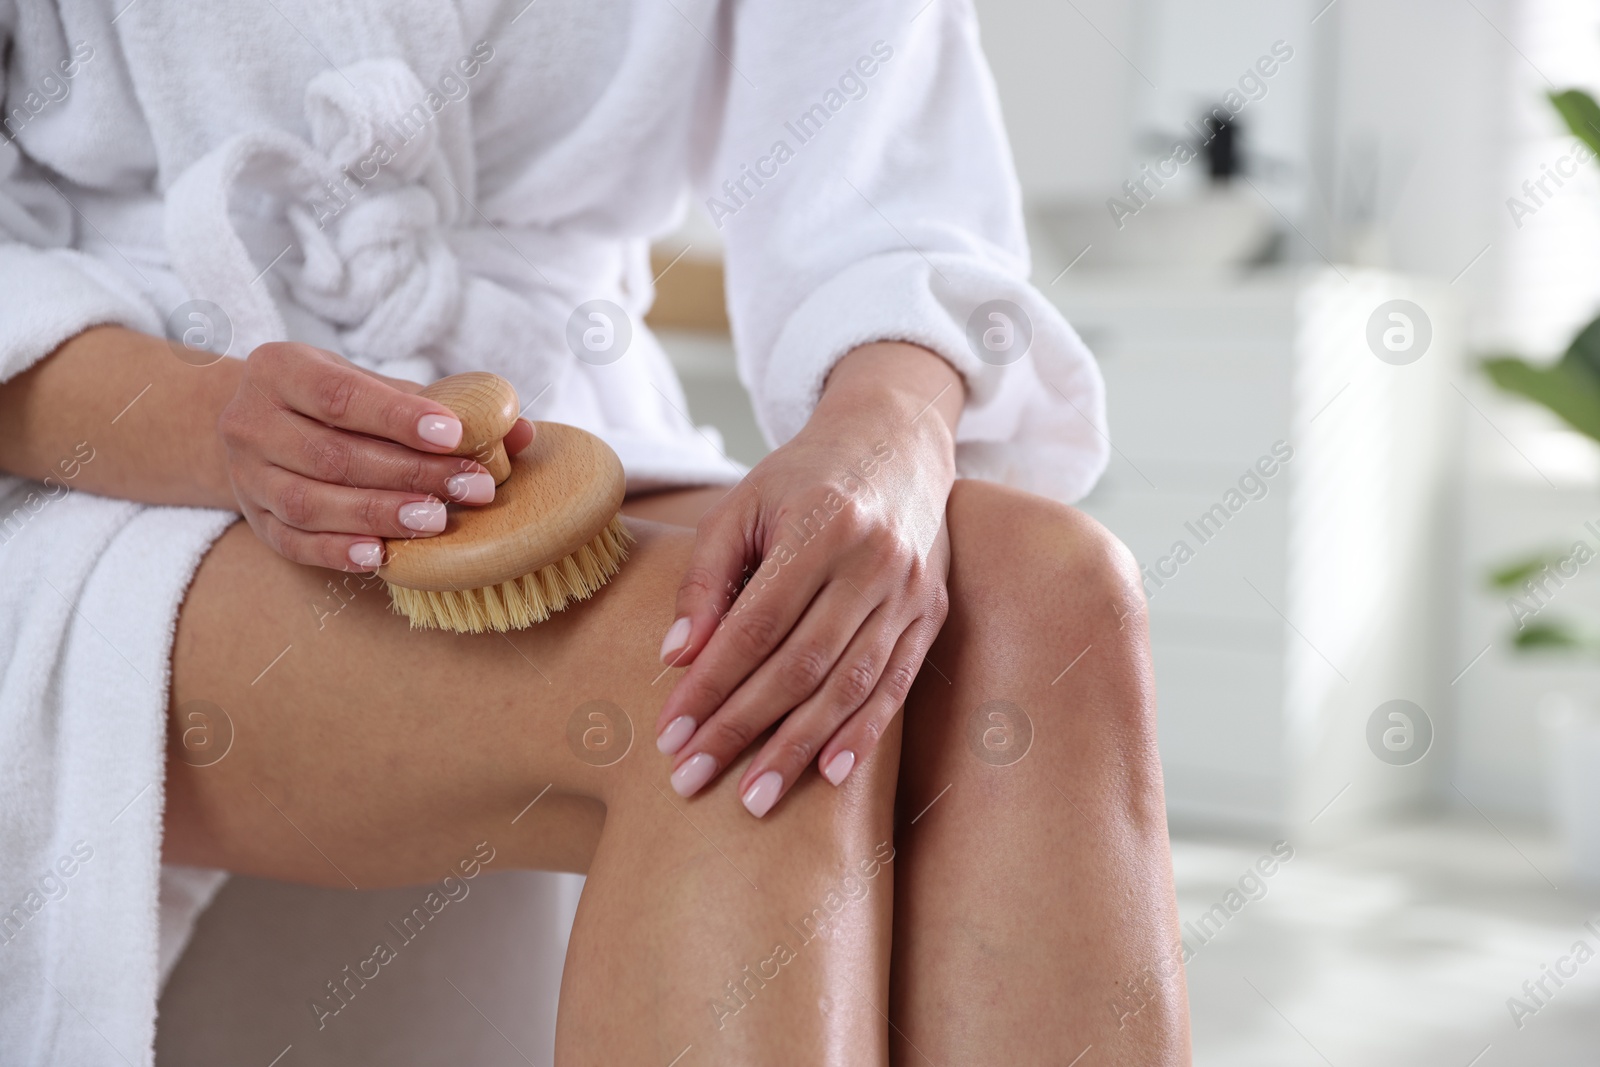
(714, 577)
(520, 436)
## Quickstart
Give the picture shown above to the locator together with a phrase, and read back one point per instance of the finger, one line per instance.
(338, 552)
(324, 387)
(803, 732)
(309, 448)
(784, 680)
(405, 385)
(767, 609)
(318, 507)
(862, 731)
(723, 546)
(520, 436)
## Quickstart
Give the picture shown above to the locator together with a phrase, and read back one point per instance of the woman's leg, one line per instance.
(1017, 928)
(364, 754)
(1034, 910)
(1042, 872)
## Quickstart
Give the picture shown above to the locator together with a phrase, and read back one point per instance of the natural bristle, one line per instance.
(520, 602)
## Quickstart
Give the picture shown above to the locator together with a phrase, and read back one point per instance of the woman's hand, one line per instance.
(839, 544)
(326, 459)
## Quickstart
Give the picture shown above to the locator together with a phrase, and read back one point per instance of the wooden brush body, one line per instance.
(552, 534)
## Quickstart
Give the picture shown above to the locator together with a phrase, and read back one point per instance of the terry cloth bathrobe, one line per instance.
(430, 188)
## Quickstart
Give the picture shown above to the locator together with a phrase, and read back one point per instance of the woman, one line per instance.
(807, 875)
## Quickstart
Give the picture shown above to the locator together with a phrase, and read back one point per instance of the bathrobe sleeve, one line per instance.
(864, 189)
(48, 291)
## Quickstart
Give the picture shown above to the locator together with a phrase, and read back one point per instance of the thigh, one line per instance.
(364, 753)
(680, 507)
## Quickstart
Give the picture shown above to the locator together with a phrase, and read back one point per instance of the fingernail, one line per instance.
(441, 430)
(425, 516)
(470, 488)
(687, 780)
(836, 769)
(760, 797)
(366, 555)
(677, 637)
(677, 732)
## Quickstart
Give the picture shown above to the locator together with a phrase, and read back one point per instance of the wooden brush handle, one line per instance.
(486, 404)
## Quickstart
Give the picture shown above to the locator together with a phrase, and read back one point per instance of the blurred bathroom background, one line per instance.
(1393, 201)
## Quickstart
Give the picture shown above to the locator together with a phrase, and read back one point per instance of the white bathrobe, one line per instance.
(429, 188)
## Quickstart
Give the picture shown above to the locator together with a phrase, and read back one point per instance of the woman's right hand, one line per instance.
(327, 459)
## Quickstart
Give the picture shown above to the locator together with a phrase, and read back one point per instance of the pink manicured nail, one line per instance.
(425, 516)
(470, 488)
(366, 555)
(441, 430)
(677, 732)
(760, 797)
(839, 766)
(677, 637)
(687, 780)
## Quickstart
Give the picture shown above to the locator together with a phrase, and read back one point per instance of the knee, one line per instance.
(1042, 584)
(1041, 566)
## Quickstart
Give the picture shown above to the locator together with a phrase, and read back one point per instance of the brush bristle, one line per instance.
(520, 602)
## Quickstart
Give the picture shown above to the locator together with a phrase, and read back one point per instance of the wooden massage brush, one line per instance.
(553, 533)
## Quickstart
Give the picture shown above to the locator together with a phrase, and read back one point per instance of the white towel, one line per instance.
(82, 791)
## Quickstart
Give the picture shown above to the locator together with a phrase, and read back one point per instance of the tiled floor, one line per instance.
(1398, 948)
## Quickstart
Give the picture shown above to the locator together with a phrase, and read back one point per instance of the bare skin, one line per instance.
(1028, 884)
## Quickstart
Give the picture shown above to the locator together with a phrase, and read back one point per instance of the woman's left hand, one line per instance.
(818, 584)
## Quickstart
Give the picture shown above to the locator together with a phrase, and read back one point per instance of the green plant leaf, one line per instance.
(1582, 115)
(1584, 350)
(1513, 575)
(1571, 389)
(1565, 388)
(1552, 635)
